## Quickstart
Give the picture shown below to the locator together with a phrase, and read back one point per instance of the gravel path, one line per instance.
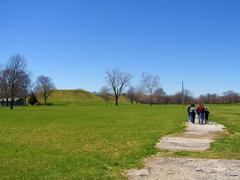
(195, 138)
(187, 169)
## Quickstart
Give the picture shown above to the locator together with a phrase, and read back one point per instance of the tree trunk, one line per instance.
(12, 97)
(12, 102)
(7, 103)
(116, 100)
(45, 97)
(132, 101)
(151, 100)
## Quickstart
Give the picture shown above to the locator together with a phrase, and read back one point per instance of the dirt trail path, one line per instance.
(196, 138)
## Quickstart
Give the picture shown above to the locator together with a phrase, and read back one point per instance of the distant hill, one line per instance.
(78, 97)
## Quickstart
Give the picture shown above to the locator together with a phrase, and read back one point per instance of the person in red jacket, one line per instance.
(200, 112)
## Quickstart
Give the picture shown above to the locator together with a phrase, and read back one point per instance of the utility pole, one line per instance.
(183, 98)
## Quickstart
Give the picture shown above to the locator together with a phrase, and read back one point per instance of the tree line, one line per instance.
(16, 82)
(228, 97)
(150, 92)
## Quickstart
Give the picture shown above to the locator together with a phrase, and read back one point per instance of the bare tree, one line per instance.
(150, 83)
(159, 94)
(17, 78)
(131, 94)
(45, 86)
(4, 88)
(105, 94)
(118, 81)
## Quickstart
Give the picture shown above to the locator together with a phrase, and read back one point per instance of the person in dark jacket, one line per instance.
(188, 111)
(192, 112)
(207, 112)
(198, 113)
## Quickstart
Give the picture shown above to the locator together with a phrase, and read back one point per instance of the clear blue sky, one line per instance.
(75, 41)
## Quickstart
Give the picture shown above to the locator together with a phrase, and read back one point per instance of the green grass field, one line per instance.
(90, 141)
(87, 141)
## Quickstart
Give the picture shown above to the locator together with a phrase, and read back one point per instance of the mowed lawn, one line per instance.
(81, 142)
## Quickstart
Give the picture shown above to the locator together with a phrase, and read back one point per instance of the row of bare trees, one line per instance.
(158, 96)
(150, 92)
(228, 97)
(15, 82)
(118, 81)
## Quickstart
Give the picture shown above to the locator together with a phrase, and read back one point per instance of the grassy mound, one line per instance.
(78, 97)
(74, 97)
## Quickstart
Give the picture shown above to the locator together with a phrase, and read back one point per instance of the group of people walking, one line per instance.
(201, 111)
